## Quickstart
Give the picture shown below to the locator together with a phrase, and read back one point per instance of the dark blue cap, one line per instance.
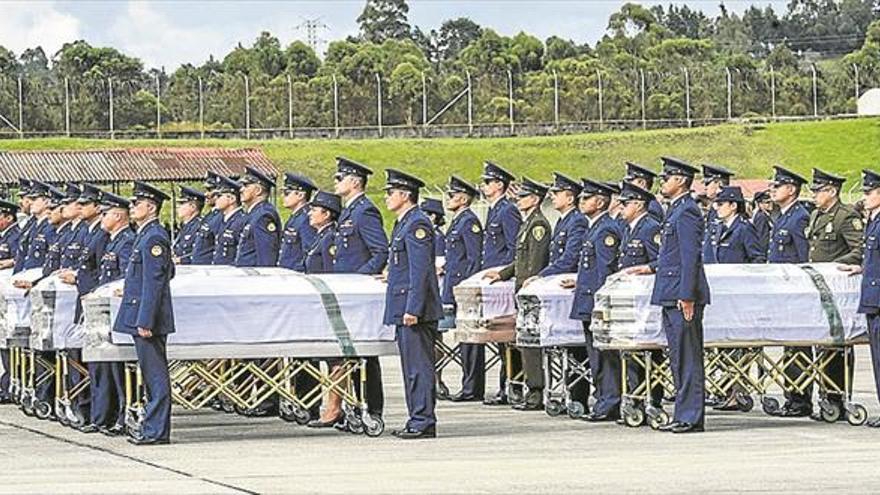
(188, 194)
(528, 187)
(457, 184)
(614, 186)
(822, 179)
(227, 185)
(494, 172)
(296, 182)
(762, 195)
(870, 180)
(211, 180)
(8, 208)
(327, 200)
(110, 200)
(344, 167)
(39, 188)
(90, 194)
(784, 176)
(632, 192)
(254, 176)
(435, 207)
(24, 186)
(55, 195)
(731, 194)
(590, 187)
(142, 190)
(402, 180)
(563, 183)
(675, 166)
(636, 171)
(714, 172)
(72, 192)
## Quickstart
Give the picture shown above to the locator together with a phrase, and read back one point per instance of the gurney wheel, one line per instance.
(374, 426)
(227, 406)
(770, 406)
(27, 406)
(857, 416)
(634, 418)
(575, 409)
(354, 423)
(442, 391)
(297, 415)
(74, 418)
(831, 412)
(745, 402)
(63, 420)
(554, 408)
(515, 395)
(658, 420)
(42, 409)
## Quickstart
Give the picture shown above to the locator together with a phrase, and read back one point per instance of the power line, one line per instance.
(311, 27)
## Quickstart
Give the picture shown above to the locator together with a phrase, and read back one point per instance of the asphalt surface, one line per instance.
(480, 449)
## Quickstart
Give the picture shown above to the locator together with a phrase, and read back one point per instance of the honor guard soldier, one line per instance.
(644, 178)
(762, 219)
(43, 232)
(835, 234)
(79, 229)
(25, 226)
(714, 178)
(869, 299)
(681, 290)
(298, 235)
(565, 247)
(640, 246)
(189, 211)
(434, 209)
(146, 310)
(532, 255)
(499, 247)
(234, 219)
(211, 224)
(9, 238)
(261, 234)
(598, 259)
(412, 302)
(107, 413)
(65, 232)
(464, 244)
(361, 247)
(789, 244)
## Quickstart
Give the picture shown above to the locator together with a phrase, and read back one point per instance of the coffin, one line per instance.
(542, 317)
(484, 312)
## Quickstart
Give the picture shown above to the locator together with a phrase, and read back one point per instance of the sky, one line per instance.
(171, 32)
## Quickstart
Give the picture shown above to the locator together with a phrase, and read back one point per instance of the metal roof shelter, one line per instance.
(125, 165)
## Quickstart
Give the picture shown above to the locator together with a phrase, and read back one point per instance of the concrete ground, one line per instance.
(480, 449)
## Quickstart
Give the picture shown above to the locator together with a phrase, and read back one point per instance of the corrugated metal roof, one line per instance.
(125, 165)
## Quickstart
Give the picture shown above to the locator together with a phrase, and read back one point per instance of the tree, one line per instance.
(301, 60)
(455, 35)
(384, 19)
(559, 49)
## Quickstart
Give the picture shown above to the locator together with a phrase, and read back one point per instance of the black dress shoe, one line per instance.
(687, 428)
(528, 406)
(90, 428)
(874, 423)
(669, 426)
(459, 397)
(113, 431)
(729, 405)
(792, 411)
(149, 441)
(6, 400)
(318, 423)
(410, 434)
(595, 417)
(496, 400)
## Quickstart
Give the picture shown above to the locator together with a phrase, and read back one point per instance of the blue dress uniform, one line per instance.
(598, 259)
(789, 244)
(298, 236)
(210, 227)
(25, 189)
(146, 303)
(184, 243)
(319, 257)
(640, 245)
(869, 299)
(9, 239)
(680, 277)
(108, 378)
(412, 289)
(737, 243)
(762, 221)
(464, 244)
(502, 223)
(43, 232)
(261, 234)
(636, 171)
(712, 173)
(434, 209)
(226, 244)
(362, 247)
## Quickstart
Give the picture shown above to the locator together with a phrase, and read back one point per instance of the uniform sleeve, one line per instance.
(688, 230)
(567, 263)
(799, 236)
(266, 239)
(652, 247)
(307, 237)
(373, 235)
(123, 253)
(419, 243)
(752, 244)
(156, 260)
(607, 252)
(511, 221)
(473, 247)
(852, 231)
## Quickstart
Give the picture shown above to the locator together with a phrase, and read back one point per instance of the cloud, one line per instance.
(31, 24)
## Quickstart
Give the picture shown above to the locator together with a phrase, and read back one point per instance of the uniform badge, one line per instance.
(475, 228)
(657, 238)
(271, 227)
(332, 250)
(610, 241)
(857, 224)
(539, 232)
(420, 233)
(829, 228)
(156, 250)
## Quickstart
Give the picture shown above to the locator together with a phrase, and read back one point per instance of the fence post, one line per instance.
(289, 107)
(424, 101)
(110, 90)
(856, 74)
(201, 110)
(470, 103)
(510, 99)
(601, 112)
(556, 100)
(158, 108)
(729, 93)
(67, 106)
(687, 96)
(815, 91)
(20, 109)
(772, 92)
(247, 107)
(379, 102)
(335, 106)
(642, 93)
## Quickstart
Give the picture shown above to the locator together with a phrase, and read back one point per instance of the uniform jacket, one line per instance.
(72, 251)
(319, 257)
(361, 243)
(712, 224)
(42, 236)
(464, 244)
(210, 228)
(598, 259)
(836, 235)
(117, 253)
(565, 245)
(297, 238)
(184, 244)
(763, 225)
(738, 243)
(439, 241)
(869, 299)
(640, 245)
(532, 249)
(26, 234)
(679, 266)
(226, 243)
(62, 236)
(9, 240)
(89, 266)
(788, 240)
(656, 210)
(412, 279)
(146, 296)
(502, 228)
(260, 237)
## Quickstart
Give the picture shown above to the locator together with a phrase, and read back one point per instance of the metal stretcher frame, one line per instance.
(562, 371)
(446, 355)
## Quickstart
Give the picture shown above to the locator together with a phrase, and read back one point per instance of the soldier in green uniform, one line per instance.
(532, 245)
(835, 235)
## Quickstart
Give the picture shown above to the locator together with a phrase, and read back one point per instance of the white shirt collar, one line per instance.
(142, 227)
(632, 225)
(730, 221)
(353, 198)
(114, 235)
(404, 212)
(227, 217)
(784, 209)
(592, 221)
(495, 202)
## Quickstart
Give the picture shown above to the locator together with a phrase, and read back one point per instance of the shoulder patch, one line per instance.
(657, 238)
(420, 233)
(332, 250)
(538, 232)
(610, 240)
(156, 250)
(475, 228)
(857, 224)
(271, 227)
